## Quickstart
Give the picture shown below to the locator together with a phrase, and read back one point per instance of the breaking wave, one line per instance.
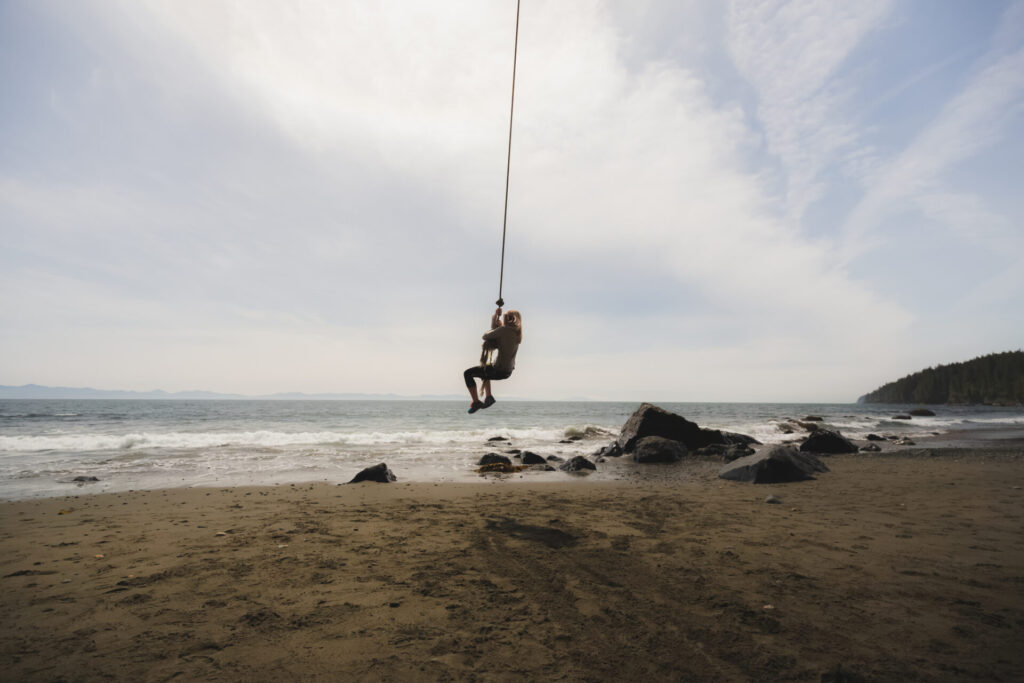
(258, 439)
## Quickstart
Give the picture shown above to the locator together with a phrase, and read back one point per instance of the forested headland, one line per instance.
(995, 379)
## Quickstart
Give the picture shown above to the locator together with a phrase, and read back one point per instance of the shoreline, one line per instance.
(895, 566)
(139, 447)
(1005, 437)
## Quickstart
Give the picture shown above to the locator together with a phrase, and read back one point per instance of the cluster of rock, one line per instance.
(502, 464)
(654, 435)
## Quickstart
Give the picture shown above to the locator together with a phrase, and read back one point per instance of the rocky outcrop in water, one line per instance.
(650, 420)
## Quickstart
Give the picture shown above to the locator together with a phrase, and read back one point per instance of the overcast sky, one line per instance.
(762, 201)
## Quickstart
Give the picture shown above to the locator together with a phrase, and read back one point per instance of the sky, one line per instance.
(708, 201)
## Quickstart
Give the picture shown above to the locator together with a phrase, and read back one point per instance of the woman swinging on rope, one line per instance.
(506, 333)
(502, 341)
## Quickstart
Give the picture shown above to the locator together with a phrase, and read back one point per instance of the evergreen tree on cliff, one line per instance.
(995, 379)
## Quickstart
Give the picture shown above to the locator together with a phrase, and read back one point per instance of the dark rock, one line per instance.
(532, 459)
(650, 420)
(555, 458)
(729, 453)
(737, 451)
(565, 441)
(575, 437)
(901, 417)
(658, 449)
(500, 468)
(875, 437)
(577, 464)
(85, 479)
(514, 451)
(498, 438)
(613, 450)
(492, 458)
(814, 418)
(827, 441)
(736, 438)
(905, 442)
(921, 412)
(780, 464)
(871, 448)
(378, 473)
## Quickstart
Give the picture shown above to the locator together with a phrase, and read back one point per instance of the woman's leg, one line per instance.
(469, 376)
(488, 375)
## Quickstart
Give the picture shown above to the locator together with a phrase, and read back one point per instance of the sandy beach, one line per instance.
(890, 567)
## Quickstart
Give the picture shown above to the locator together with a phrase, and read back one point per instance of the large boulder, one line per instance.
(827, 441)
(378, 473)
(658, 449)
(921, 412)
(650, 420)
(780, 464)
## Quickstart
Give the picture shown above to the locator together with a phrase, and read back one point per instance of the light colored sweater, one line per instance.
(506, 341)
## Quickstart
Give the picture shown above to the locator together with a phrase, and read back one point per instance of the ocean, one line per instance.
(147, 444)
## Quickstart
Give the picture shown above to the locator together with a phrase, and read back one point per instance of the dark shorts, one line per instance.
(484, 372)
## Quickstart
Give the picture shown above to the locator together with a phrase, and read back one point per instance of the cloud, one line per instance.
(971, 121)
(791, 52)
(268, 196)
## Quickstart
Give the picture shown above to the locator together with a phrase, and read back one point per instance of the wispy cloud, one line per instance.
(791, 51)
(973, 120)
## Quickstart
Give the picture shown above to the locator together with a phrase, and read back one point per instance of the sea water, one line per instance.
(143, 444)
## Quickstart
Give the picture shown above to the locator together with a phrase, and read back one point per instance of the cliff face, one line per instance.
(995, 379)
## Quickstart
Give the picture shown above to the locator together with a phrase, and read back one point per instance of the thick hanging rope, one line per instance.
(508, 158)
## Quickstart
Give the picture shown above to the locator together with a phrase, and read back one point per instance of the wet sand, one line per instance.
(892, 567)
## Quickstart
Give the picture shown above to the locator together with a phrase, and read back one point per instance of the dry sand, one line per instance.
(891, 568)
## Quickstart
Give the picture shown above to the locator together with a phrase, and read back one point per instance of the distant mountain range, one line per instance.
(35, 391)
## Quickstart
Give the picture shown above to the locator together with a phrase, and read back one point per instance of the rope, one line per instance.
(508, 159)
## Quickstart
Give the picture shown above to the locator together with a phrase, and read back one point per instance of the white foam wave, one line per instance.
(260, 438)
(590, 432)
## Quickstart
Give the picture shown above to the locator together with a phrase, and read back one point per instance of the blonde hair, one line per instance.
(514, 319)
